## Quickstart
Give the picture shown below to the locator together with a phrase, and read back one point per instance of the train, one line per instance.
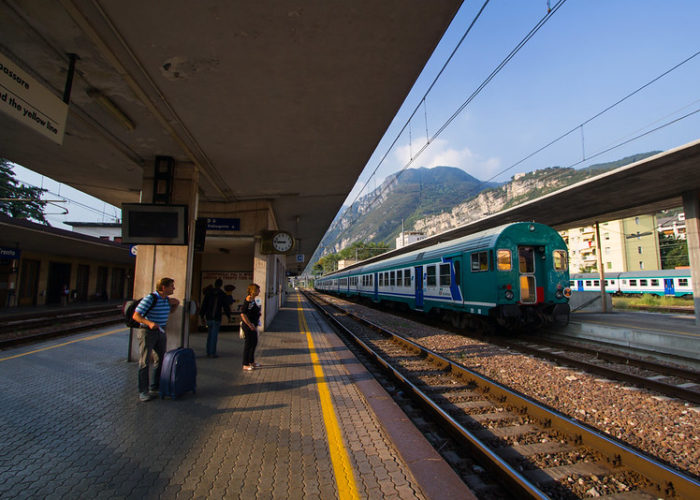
(665, 283)
(513, 276)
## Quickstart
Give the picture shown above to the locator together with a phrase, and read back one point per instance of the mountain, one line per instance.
(406, 197)
(434, 200)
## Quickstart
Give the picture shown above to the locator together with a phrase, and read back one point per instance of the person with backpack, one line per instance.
(214, 305)
(152, 315)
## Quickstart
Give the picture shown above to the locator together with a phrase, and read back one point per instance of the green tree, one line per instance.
(357, 251)
(674, 252)
(17, 200)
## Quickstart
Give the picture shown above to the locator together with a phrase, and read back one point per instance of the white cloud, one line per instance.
(439, 153)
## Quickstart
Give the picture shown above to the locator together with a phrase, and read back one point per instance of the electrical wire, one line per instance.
(488, 79)
(555, 175)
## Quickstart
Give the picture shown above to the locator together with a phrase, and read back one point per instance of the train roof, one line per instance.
(482, 239)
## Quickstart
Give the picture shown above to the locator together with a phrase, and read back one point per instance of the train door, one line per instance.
(375, 281)
(529, 292)
(668, 287)
(580, 285)
(419, 286)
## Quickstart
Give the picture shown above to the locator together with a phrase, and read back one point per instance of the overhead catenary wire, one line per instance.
(580, 126)
(488, 79)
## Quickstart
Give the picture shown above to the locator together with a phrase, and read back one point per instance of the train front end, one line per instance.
(532, 276)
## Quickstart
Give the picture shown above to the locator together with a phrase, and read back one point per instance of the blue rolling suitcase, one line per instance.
(178, 373)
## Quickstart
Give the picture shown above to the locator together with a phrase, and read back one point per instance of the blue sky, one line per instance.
(586, 57)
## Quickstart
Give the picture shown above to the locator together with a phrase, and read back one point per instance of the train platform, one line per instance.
(310, 423)
(672, 334)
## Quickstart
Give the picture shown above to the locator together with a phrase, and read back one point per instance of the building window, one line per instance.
(608, 265)
(636, 220)
(607, 236)
(641, 265)
(639, 250)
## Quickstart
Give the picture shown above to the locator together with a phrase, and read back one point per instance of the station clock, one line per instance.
(282, 241)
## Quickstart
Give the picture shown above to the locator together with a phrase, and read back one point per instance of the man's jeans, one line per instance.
(152, 344)
(213, 327)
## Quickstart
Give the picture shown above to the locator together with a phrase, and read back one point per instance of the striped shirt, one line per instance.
(159, 312)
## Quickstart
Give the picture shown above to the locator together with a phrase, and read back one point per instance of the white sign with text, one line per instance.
(30, 103)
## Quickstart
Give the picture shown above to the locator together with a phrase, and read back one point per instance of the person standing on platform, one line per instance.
(250, 317)
(152, 340)
(214, 305)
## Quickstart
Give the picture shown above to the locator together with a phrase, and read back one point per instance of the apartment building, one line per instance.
(627, 245)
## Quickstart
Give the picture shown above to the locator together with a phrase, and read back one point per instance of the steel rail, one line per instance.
(669, 480)
(519, 485)
(638, 380)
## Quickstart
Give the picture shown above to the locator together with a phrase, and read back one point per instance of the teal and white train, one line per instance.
(666, 283)
(513, 275)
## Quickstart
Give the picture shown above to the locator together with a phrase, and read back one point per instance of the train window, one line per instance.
(386, 278)
(596, 282)
(528, 294)
(589, 283)
(633, 282)
(480, 261)
(560, 263)
(526, 259)
(458, 273)
(407, 277)
(381, 279)
(572, 283)
(612, 282)
(445, 275)
(643, 283)
(682, 281)
(392, 278)
(654, 282)
(504, 261)
(430, 276)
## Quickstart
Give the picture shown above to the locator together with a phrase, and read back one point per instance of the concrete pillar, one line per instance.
(154, 262)
(601, 271)
(691, 207)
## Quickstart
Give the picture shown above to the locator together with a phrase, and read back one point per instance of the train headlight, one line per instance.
(559, 294)
(509, 295)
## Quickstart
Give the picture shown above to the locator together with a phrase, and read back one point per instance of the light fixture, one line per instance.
(109, 106)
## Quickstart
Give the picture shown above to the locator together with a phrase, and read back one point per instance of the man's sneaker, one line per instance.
(154, 392)
(145, 396)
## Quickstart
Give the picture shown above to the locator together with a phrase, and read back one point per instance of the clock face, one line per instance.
(282, 242)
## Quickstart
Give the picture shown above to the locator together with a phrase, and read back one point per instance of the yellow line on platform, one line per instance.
(344, 478)
(91, 337)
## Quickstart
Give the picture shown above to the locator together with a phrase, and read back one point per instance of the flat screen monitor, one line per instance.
(151, 224)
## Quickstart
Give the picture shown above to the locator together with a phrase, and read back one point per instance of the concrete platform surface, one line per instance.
(310, 423)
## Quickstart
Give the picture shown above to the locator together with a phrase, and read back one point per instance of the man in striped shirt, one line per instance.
(152, 312)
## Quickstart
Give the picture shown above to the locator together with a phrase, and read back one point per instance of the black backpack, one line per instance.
(130, 307)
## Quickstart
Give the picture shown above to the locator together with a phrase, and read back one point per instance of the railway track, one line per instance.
(21, 329)
(533, 450)
(668, 380)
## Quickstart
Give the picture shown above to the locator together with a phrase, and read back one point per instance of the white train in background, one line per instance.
(666, 283)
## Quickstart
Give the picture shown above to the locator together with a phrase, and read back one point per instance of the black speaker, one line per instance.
(200, 234)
